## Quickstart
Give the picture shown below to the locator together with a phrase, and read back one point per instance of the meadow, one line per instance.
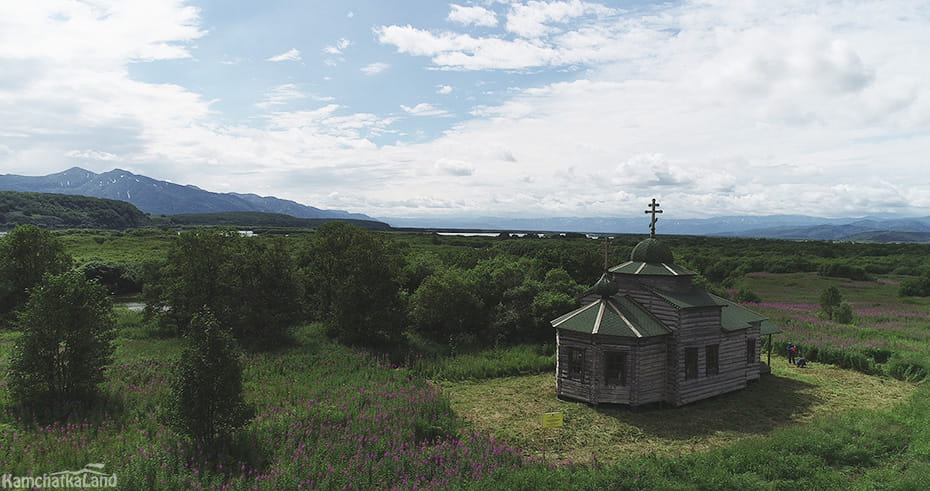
(326, 416)
(889, 334)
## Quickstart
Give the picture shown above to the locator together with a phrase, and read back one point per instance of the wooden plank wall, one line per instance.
(679, 284)
(651, 369)
(733, 370)
(664, 311)
(646, 369)
(579, 390)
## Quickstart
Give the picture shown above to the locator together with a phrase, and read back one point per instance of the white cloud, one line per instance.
(454, 167)
(714, 107)
(92, 155)
(338, 47)
(461, 51)
(292, 54)
(424, 109)
(375, 68)
(444, 89)
(280, 95)
(532, 19)
(478, 16)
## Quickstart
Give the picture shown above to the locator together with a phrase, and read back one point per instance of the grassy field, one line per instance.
(131, 246)
(326, 416)
(884, 323)
(510, 408)
(329, 417)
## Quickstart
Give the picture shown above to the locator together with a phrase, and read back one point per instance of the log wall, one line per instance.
(733, 369)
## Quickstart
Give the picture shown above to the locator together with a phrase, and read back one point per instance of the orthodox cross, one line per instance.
(653, 211)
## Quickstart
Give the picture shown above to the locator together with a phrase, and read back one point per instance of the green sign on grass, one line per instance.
(552, 420)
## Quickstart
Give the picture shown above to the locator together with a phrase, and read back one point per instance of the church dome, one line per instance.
(652, 251)
(604, 287)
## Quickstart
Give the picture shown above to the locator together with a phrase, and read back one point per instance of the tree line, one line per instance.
(67, 211)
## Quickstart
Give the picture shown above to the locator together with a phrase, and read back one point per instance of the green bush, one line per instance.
(843, 313)
(207, 402)
(908, 367)
(843, 270)
(853, 360)
(915, 287)
(67, 326)
(745, 295)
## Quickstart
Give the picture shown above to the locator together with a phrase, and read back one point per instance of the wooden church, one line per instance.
(645, 334)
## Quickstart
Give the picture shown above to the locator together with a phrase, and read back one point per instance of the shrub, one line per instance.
(207, 402)
(843, 313)
(843, 270)
(908, 368)
(853, 360)
(830, 299)
(67, 326)
(915, 287)
(26, 254)
(745, 295)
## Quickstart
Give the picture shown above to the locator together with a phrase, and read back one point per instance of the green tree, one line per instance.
(270, 293)
(352, 283)
(746, 295)
(207, 402)
(249, 284)
(830, 299)
(843, 313)
(26, 254)
(445, 305)
(915, 287)
(67, 327)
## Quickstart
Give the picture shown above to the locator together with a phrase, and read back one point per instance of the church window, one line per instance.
(691, 363)
(576, 364)
(712, 353)
(615, 368)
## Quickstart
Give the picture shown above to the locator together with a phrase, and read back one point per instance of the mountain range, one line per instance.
(165, 198)
(161, 197)
(867, 229)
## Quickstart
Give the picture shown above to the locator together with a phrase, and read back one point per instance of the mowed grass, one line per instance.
(511, 409)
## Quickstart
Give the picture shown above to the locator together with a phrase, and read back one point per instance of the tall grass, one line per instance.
(498, 362)
(326, 417)
(889, 335)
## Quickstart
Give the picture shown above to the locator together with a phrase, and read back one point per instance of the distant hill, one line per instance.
(161, 197)
(258, 219)
(726, 225)
(771, 226)
(860, 230)
(56, 211)
(903, 237)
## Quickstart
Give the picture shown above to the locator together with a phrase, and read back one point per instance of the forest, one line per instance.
(368, 359)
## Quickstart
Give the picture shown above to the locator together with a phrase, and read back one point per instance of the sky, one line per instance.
(511, 108)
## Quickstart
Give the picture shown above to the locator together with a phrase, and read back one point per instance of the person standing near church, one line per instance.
(792, 352)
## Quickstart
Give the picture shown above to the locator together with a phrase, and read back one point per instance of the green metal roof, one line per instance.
(690, 299)
(615, 316)
(733, 316)
(604, 287)
(651, 250)
(769, 328)
(650, 269)
(651, 258)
